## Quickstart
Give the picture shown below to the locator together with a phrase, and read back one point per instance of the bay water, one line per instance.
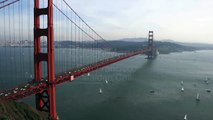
(139, 89)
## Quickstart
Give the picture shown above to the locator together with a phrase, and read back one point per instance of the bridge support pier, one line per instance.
(46, 100)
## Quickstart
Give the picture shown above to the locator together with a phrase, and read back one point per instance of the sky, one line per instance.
(179, 20)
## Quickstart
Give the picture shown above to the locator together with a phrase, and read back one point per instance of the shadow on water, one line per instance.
(124, 100)
(147, 64)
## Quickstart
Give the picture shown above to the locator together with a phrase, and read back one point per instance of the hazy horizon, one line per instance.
(183, 21)
(179, 20)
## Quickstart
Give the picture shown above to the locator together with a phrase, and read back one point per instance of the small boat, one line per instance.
(31, 76)
(207, 80)
(198, 97)
(57, 117)
(181, 83)
(182, 89)
(152, 91)
(100, 91)
(185, 117)
(157, 52)
(88, 74)
(106, 81)
(208, 90)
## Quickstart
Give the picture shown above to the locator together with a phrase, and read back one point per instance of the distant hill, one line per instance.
(163, 47)
(204, 46)
(168, 47)
(124, 45)
(197, 45)
(128, 45)
(140, 39)
(133, 44)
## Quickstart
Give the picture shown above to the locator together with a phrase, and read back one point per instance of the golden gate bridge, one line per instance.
(50, 26)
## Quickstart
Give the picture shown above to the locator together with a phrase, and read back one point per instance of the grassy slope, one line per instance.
(11, 110)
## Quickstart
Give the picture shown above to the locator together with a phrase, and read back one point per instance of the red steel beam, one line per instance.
(51, 63)
(69, 75)
(45, 98)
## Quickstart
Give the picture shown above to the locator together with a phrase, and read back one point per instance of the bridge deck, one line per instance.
(34, 87)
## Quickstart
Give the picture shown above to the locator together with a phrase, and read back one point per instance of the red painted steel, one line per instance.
(45, 88)
(51, 62)
(37, 51)
(39, 86)
(45, 98)
(150, 44)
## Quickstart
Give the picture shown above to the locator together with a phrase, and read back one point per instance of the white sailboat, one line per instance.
(106, 81)
(185, 117)
(157, 52)
(100, 91)
(206, 80)
(198, 97)
(182, 89)
(181, 83)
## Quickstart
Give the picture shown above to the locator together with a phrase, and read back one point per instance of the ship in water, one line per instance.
(181, 83)
(100, 91)
(157, 52)
(198, 97)
(185, 117)
(88, 74)
(182, 89)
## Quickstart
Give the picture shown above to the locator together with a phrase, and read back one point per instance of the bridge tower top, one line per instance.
(150, 39)
(150, 54)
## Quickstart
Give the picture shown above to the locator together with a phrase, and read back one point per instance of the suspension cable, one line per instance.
(8, 3)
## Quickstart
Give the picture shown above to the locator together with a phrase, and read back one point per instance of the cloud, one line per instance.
(181, 20)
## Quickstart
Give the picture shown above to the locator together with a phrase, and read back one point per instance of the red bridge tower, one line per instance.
(150, 45)
(45, 100)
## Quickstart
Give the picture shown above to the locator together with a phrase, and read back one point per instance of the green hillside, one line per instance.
(11, 110)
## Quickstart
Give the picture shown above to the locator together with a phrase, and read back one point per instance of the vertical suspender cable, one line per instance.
(75, 44)
(20, 41)
(66, 34)
(14, 50)
(71, 45)
(10, 45)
